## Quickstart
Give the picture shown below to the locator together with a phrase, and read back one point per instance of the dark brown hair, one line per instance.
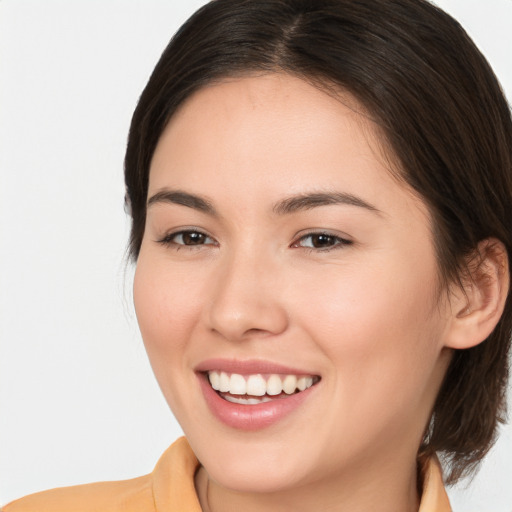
(444, 119)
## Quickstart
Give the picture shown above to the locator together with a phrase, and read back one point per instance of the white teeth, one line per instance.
(274, 385)
(247, 401)
(304, 383)
(224, 382)
(237, 385)
(290, 384)
(214, 380)
(256, 385)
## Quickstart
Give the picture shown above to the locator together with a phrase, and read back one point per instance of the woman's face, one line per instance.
(279, 251)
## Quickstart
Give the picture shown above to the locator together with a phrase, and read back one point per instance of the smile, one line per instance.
(257, 388)
(254, 394)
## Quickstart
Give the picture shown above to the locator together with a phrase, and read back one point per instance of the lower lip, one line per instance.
(250, 417)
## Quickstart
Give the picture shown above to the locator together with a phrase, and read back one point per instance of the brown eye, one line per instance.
(192, 238)
(188, 239)
(321, 241)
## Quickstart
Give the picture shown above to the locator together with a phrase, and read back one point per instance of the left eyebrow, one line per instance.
(314, 200)
(184, 199)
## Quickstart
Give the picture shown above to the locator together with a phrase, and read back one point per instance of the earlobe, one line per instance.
(477, 308)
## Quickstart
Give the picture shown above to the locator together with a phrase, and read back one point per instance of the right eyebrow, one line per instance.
(184, 199)
(315, 199)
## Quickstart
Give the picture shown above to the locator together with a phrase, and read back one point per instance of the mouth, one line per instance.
(250, 395)
(258, 388)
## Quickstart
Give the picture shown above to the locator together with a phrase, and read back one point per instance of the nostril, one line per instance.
(246, 319)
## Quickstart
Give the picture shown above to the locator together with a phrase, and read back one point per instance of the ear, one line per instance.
(478, 306)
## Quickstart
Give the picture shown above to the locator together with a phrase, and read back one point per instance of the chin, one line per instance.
(251, 478)
(253, 467)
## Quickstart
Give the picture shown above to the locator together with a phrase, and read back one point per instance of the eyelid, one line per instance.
(167, 239)
(341, 239)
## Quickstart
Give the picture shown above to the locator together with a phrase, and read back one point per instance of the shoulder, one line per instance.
(126, 496)
(169, 487)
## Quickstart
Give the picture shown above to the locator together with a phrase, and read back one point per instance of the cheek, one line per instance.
(381, 338)
(376, 329)
(167, 303)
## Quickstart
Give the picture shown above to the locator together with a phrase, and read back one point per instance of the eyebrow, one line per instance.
(184, 199)
(313, 200)
(286, 206)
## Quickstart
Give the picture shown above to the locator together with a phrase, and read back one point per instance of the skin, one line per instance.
(367, 316)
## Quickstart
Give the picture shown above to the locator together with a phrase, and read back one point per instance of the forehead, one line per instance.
(265, 134)
(258, 101)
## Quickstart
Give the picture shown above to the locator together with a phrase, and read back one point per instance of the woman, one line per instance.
(320, 194)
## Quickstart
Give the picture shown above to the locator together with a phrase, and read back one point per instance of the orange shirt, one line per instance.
(170, 488)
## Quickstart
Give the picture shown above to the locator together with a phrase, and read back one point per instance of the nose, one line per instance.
(246, 300)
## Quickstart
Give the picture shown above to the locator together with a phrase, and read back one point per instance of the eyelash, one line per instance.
(169, 240)
(339, 242)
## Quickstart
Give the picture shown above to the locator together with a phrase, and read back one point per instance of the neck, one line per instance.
(386, 488)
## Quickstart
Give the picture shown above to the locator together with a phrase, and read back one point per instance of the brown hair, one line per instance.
(444, 118)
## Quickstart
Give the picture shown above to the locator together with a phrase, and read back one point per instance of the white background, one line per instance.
(78, 402)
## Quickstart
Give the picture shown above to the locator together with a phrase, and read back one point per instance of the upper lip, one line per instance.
(249, 367)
